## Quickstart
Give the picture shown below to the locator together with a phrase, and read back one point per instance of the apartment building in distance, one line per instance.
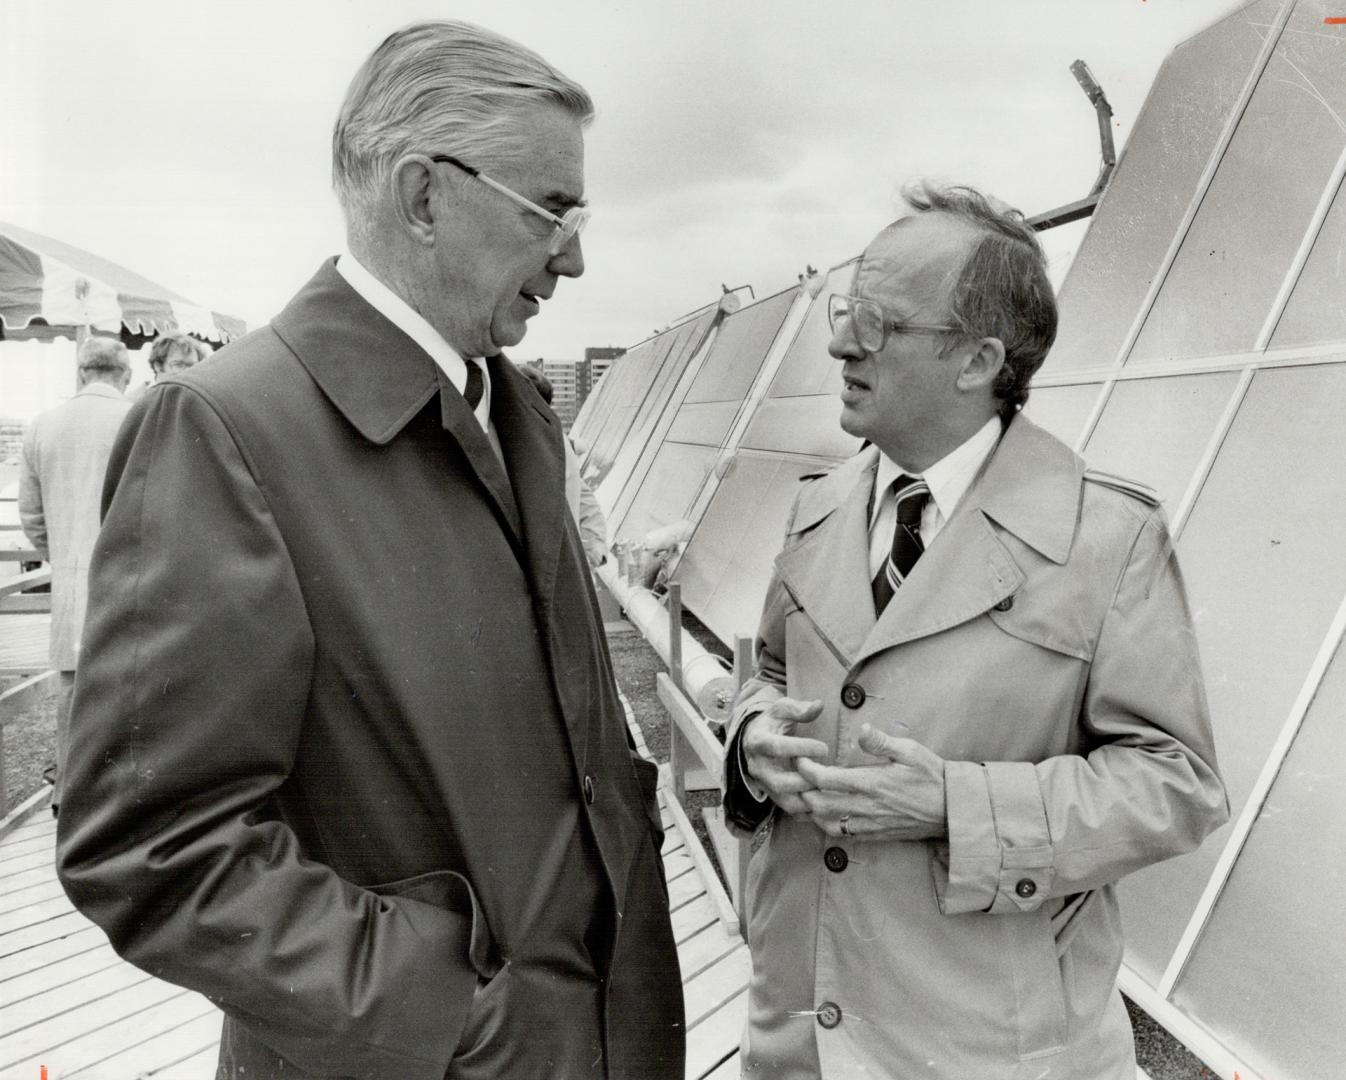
(572, 380)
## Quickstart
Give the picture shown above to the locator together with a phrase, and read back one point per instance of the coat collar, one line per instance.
(1031, 487)
(373, 373)
(98, 388)
(378, 379)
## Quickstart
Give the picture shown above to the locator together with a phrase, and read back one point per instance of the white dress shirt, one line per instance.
(948, 480)
(398, 312)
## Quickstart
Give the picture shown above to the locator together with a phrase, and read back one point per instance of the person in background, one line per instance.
(978, 702)
(65, 454)
(171, 353)
(580, 498)
(352, 760)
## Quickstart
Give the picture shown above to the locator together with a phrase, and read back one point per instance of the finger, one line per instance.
(799, 712)
(834, 778)
(793, 805)
(894, 748)
(875, 742)
(769, 744)
(783, 782)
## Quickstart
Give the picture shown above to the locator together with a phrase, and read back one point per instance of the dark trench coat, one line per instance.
(348, 753)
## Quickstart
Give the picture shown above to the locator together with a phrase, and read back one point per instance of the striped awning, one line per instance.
(48, 288)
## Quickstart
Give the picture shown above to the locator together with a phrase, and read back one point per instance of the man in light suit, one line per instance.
(351, 759)
(978, 701)
(65, 454)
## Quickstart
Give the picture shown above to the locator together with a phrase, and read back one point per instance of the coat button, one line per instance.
(1006, 603)
(588, 789)
(829, 1014)
(835, 859)
(852, 695)
(1025, 888)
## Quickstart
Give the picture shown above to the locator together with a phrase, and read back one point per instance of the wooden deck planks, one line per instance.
(71, 1004)
(189, 1051)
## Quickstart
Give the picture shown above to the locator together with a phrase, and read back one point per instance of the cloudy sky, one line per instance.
(736, 141)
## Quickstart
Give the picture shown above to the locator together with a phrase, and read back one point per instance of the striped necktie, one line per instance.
(912, 495)
(475, 386)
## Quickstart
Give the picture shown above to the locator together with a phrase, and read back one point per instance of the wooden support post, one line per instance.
(675, 634)
(743, 670)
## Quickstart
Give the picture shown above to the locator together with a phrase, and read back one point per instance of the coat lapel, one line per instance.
(531, 438)
(827, 570)
(378, 378)
(1029, 488)
(461, 423)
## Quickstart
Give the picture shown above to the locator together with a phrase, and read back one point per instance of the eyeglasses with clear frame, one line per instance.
(869, 324)
(568, 225)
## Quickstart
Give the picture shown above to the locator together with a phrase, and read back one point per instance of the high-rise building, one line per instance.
(600, 358)
(570, 383)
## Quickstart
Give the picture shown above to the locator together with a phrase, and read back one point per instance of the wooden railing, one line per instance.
(696, 761)
(14, 595)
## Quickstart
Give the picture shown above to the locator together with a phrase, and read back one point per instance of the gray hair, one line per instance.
(102, 356)
(167, 346)
(439, 87)
(1002, 290)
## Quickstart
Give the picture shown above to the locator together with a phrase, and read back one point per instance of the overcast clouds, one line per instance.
(735, 142)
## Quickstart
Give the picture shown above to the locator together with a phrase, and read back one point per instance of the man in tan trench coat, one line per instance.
(944, 794)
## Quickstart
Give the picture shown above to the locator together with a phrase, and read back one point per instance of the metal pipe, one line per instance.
(705, 679)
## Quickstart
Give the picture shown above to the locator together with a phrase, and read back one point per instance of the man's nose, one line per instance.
(843, 345)
(569, 261)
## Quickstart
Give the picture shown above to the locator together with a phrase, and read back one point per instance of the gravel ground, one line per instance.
(29, 747)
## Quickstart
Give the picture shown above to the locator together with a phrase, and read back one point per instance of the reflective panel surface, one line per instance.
(673, 479)
(1156, 430)
(739, 349)
(1062, 410)
(727, 565)
(688, 339)
(1311, 316)
(802, 425)
(1154, 183)
(1254, 218)
(1280, 913)
(807, 368)
(647, 370)
(1265, 567)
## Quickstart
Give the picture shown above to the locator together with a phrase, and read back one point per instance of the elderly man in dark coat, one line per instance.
(349, 756)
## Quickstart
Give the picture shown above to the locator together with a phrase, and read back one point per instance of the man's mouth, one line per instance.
(850, 382)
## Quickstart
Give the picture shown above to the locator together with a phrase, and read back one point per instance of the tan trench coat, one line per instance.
(1044, 648)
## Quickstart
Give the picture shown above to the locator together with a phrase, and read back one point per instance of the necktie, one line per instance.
(912, 495)
(475, 386)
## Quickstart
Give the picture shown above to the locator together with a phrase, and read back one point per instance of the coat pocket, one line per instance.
(451, 891)
(1039, 993)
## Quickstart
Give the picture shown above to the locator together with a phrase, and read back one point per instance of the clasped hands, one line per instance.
(900, 799)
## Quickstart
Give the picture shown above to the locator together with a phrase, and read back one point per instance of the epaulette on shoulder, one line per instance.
(1133, 488)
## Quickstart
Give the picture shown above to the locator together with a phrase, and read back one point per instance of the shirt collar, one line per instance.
(398, 312)
(949, 477)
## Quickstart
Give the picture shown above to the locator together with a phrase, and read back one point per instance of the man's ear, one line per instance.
(413, 183)
(982, 365)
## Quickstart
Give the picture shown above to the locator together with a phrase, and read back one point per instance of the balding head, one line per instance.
(105, 360)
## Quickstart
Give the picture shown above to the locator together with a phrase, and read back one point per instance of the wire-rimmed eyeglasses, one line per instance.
(869, 324)
(568, 225)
